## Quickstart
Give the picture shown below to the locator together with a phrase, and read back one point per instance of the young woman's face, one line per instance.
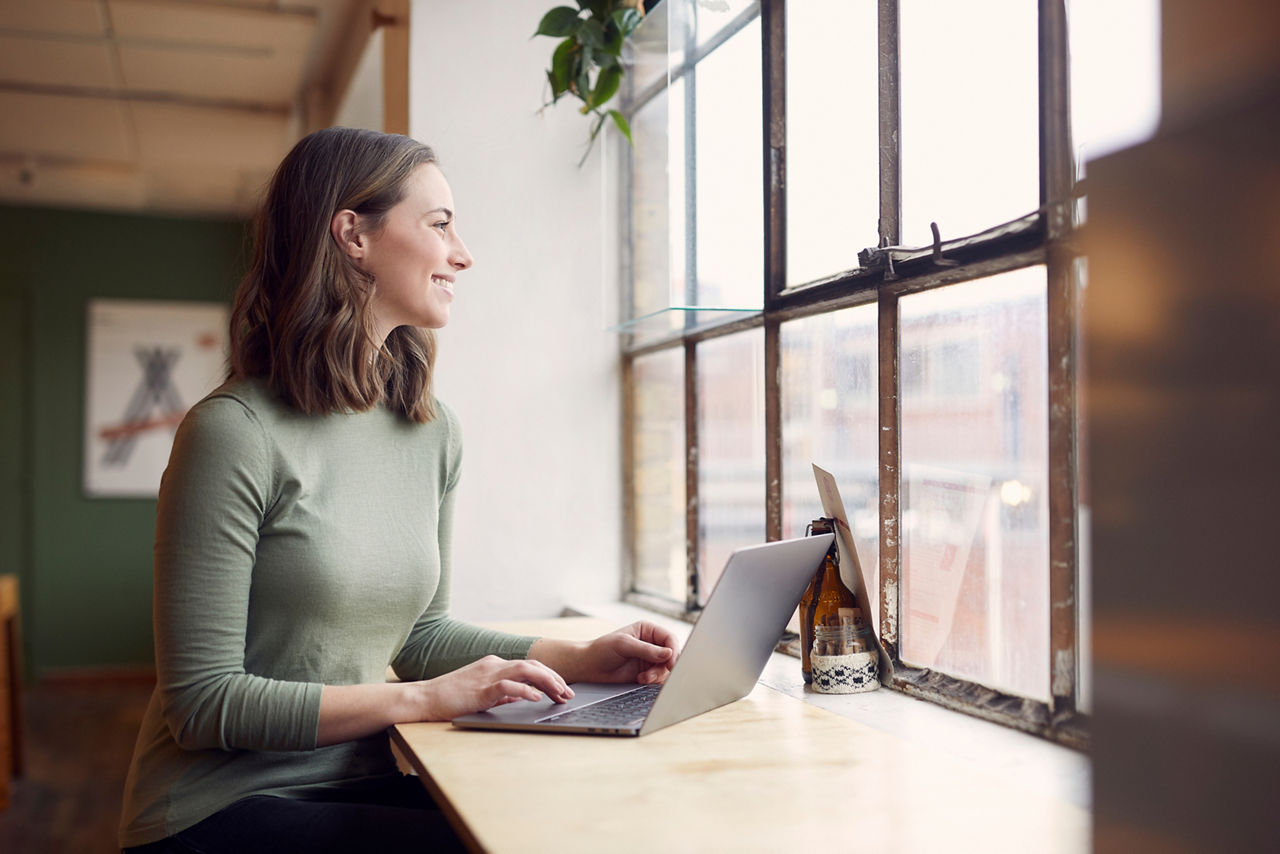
(416, 255)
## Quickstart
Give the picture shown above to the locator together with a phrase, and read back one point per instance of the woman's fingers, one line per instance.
(652, 653)
(490, 682)
(659, 636)
(538, 675)
(653, 675)
(508, 691)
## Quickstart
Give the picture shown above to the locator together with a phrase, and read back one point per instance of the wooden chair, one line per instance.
(10, 687)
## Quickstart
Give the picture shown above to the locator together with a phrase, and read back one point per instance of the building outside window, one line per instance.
(851, 244)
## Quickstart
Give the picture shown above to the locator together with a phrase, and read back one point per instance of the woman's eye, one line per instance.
(443, 226)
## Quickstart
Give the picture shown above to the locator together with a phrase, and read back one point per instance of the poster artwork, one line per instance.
(148, 362)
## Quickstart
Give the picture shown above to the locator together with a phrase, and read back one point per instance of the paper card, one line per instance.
(850, 565)
(947, 508)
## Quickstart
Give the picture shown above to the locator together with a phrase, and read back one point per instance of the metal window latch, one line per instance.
(889, 272)
(937, 248)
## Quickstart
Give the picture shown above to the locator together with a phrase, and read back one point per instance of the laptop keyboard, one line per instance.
(621, 710)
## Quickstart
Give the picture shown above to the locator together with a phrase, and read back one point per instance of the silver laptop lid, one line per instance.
(741, 624)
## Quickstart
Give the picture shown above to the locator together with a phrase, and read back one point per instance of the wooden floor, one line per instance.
(79, 737)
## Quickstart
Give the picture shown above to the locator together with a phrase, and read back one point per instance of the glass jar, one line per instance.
(844, 659)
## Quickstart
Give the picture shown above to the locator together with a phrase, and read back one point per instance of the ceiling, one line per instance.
(163, 106)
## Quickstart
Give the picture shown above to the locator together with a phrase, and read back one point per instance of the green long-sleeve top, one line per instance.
(291, 552)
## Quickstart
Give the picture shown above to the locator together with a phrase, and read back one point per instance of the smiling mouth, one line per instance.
(442, 283)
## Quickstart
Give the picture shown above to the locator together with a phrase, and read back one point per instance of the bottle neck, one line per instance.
(831, 579)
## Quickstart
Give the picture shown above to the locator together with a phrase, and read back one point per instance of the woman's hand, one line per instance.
(354, 711)
(489, 682)
(641, 652)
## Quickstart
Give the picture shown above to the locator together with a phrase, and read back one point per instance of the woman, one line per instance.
(302, 535)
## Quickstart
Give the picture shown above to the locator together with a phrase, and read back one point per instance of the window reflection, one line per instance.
(975, 598)
(657, 478)
(829, 418)
(730, 450)
(657, 214)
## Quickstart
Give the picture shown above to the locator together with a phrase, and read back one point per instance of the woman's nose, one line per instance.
(460, 258)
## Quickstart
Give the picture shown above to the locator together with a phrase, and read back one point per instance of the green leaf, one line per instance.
(559, 22)
(591, 33)
(626, 20)
(606, 86)
(562, 67)
(621, 122)
(612, 39)
(594, 36)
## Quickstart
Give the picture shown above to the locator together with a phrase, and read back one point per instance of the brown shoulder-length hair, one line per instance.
(303, 314)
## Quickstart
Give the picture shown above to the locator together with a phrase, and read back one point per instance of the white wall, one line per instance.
(525, 360)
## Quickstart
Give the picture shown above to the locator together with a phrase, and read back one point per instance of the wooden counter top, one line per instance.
(767, 773)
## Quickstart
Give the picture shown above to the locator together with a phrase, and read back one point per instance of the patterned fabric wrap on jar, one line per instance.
(843, 660)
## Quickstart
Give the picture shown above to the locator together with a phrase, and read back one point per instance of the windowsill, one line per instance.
(1055, 770)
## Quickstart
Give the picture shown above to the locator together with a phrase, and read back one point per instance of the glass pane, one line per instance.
(975, 579)
(829, 417)
(695, 23)
(731, 450)
(1115, 74)
(645, 54)
(1115, 79)
(833, 185)
(657, 483)
(730, 204)
(970, 116)
(657, 215)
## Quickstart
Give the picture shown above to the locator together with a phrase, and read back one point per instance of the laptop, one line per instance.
(724, 656)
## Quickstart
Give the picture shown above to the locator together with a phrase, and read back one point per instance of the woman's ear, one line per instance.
(346, 235)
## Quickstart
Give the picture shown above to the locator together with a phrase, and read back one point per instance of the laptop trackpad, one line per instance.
(529, 711)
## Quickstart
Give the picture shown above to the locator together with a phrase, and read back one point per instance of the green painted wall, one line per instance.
(84, 564)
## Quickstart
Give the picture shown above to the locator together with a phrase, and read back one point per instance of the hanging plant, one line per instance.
(587, 63)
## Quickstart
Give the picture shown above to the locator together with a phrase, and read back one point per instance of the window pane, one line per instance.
(1115, 81)
(730, 204)
(731, 449)
(1115, 74)
(657, 215)
(657, 484)
(694, 23)
(645, 54)
(830, 417)
(975, 579)
(832, 156)
(970, 116)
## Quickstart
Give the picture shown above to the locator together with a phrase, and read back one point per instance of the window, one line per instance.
(883, 190)
(657, 507)
(975, 598)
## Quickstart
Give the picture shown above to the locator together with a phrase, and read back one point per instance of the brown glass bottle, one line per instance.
(834, 600)
(809, 601)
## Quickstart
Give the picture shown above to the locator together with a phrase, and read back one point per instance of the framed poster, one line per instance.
(148, 362)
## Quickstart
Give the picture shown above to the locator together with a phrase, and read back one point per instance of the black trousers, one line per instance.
(391, 814)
